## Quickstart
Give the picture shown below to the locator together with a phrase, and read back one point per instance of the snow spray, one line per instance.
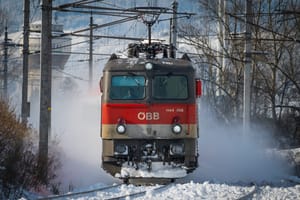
(228, 155)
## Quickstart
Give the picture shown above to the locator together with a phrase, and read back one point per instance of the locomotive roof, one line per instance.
(125, 64)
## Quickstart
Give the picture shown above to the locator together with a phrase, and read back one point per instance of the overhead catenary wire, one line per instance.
(112, 37)
(118, 12)
(73, 7)
(115, 14)
(112, 4)
(66, 5)
(267, 13)
(265, 29)
(100, 26)
(86, 41)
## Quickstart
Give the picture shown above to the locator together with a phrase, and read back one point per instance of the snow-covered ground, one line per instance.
(194, 190)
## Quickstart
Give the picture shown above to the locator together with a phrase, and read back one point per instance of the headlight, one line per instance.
(148, 66)
(176, 149)
(121, 129)
(176, 128)
(121, 149)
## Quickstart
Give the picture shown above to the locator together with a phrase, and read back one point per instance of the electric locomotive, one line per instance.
(149, 125)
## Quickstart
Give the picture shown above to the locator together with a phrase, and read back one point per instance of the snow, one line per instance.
(158, 170)
(204, 190)
(197, 190)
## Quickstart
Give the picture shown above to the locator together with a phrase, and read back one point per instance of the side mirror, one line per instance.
(101, 84)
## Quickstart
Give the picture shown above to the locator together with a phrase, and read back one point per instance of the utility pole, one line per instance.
(91, 53)
(45, 90)
(7, 43)
(247, 68)
(25, 104)
(225, 33)
(173, 35)
(5, 62)
(221, 32)
(221, 44)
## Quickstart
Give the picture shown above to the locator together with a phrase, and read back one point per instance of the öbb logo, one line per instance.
(148, 116)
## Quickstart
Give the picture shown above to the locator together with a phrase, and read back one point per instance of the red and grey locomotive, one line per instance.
(149, 114)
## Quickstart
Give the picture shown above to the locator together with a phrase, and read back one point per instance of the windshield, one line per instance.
(127, 87)
(170, 87)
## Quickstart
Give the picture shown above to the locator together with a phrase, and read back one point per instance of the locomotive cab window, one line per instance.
(127, 87)
(170, 87)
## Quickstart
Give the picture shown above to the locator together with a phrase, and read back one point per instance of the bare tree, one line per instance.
(275, 60)
(18, 157)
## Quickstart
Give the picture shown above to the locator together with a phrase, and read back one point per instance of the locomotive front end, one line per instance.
(149, 118)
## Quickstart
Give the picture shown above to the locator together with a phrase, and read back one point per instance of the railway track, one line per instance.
(74, 194)
(104, 189)
(250, 194)
(124, 191)
(138, 194)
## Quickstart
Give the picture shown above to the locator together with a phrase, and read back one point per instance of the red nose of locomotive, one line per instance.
(142, 121)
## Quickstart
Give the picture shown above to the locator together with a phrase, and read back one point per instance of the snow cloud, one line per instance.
(76, 119)
(228, 155)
